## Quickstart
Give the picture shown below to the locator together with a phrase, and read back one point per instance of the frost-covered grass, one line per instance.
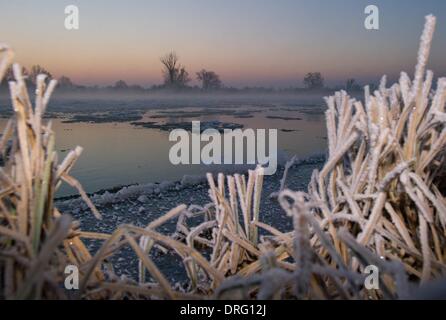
(378, 200)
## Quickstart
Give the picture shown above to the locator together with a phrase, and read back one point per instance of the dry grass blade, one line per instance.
(379, 199)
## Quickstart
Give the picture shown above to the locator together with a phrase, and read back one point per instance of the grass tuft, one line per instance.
(379, 200)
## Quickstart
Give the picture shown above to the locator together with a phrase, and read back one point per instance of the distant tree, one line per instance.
(351, 85)
(136, 87)
(209, 80)
(36, 70)
(9, 75)
(169, 62)
(314, 80)
(120, 84)
(182, 77)
(156, 87)
(65, 82)
(175, 75)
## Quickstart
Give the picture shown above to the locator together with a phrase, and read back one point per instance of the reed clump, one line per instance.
(36, 240)
(379, 200)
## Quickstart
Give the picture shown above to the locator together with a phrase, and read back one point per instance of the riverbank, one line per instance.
(141, 204)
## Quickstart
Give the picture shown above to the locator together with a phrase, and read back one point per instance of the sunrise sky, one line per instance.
(249, 42)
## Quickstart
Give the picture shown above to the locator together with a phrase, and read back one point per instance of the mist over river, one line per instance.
(118, 151)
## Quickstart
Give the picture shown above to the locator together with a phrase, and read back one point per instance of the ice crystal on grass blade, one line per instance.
(378, 200)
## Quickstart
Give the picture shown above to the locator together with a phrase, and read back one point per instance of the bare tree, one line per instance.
(169, 62)
(65, 82)
(9, 75)
(209, 80)
(175, 75)
(36, 70)
(314, 80)
(352, 85)
(121, 84)
(182, 77)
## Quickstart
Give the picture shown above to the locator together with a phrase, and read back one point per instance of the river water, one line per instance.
(119, 153)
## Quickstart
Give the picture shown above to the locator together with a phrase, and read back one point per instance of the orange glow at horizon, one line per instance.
(249, 43)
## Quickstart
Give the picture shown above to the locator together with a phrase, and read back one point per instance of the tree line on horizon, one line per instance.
(177, 78)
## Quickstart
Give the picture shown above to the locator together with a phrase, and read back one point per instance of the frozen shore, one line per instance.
(141, 204)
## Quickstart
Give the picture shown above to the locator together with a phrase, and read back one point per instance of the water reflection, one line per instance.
(119, 153)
